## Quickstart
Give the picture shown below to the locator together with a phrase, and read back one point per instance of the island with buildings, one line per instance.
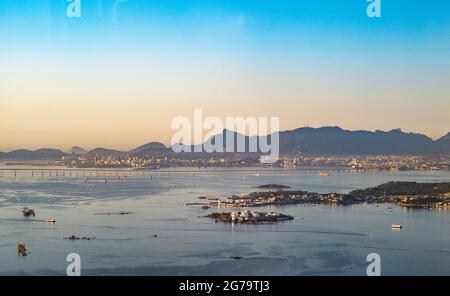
(249, 217)
(405, 194)
(273, 186)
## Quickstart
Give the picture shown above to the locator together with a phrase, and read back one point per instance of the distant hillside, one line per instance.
(442, 145)
(336, 141)
(404, 188)
(150, 149)
(41, 154)
(307, 141)
(227, 146)
(19, 154)
(102, 152)
(48, 153)
(75, 150)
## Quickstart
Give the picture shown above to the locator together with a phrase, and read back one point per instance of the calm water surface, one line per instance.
(321, 240)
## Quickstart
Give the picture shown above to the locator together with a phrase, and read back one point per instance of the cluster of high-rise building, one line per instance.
(381, 162)
(393, 162)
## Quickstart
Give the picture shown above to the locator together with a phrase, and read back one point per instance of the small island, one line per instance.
(273, 186)
(406, 194)
(250, 217)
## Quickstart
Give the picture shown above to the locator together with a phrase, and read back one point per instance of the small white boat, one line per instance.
(397, 226)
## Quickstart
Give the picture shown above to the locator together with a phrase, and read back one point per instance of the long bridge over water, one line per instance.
(68, 172)
(118, 172)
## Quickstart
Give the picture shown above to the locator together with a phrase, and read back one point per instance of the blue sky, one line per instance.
(261, 24)
(307, 61)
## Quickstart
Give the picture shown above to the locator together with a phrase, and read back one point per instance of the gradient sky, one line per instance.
(118, 79)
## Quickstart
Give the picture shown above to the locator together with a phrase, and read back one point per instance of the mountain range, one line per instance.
(307, 141)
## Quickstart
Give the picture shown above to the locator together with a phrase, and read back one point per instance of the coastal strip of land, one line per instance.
(406, 194)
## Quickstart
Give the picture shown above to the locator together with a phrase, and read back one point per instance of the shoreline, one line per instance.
(433, 195)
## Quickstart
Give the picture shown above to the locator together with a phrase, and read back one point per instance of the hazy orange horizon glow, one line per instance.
(118, 84)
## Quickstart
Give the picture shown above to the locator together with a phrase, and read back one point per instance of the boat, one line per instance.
(50, 221)
(21, 249)
(324, 174)
(397, 226)
(28, 212)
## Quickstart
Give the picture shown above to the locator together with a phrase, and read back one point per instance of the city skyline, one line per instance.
(118, 79)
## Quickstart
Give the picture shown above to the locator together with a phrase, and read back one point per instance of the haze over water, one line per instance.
(320, 240)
